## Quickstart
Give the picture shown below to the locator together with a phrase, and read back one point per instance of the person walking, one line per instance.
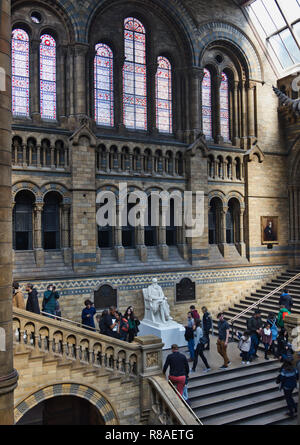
(286, 300)
(32, 304)
(18, 297)
(195, 314)
(87, 315)
(272, 322)
(266, 338)
(254, 326)
(244, 346)
(189, 336)
(287, 381)
(133, 323)
(206, 326)
(179, 368)
(49, 301)
(281, 316)
(200, 342)
(223, 337)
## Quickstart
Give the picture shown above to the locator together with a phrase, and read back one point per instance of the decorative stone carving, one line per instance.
(151, 359)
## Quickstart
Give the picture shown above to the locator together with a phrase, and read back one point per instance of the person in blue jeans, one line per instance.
(287, 380)
(254, 326)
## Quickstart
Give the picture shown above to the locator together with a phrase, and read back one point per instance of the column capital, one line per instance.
(249, 84)
(81, 49)
(39, 206)
(196, 72)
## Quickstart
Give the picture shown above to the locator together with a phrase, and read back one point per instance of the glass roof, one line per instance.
(278, 24)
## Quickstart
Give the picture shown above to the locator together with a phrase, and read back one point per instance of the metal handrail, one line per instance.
(186, 404)
(264, 298)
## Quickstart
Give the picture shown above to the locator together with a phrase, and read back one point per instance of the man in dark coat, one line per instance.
(179, 368)
(87, 315)
(32, 304)
(254, 326)
(286, 300)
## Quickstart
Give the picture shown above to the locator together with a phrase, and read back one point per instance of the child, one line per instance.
(244, 346)
(266, 338)
(274, 330)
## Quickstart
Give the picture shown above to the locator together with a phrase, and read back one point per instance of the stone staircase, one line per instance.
(270, 305)
(25, 266)
(245, 395)
(132, 261)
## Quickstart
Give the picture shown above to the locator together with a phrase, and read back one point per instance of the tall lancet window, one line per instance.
(103, 83)
(164, 95)
(48, 77)
(224, 108)
(20, 73)
(206, 104)
(134, 75)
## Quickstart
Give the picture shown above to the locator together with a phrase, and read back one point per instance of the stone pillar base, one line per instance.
(36, 118)
(120, 253)
(67, 256)
(224, 249)
(236, 142)
(183, 250)
(241, 248)
(142, 253)
(164, 251)
(39, 256)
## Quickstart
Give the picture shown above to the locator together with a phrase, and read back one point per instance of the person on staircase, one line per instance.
(195, 313)
(223, 337)
(49, 301)
(254, 326)
(272, 322)
(244, 346)
(87, 315)
(18, 297)
(286, 299)
(133, 323)
(281, 316)
(32, 304)
(189, 336)
(287, 380)
(179, 368)
(266, 338)
(206, 326)
(200, 342)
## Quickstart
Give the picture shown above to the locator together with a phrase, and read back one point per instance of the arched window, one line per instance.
(48, 77)
(20, 73)
(163, 86)
(134, 75)
(206, 104)
(103, 83)
(224, 108)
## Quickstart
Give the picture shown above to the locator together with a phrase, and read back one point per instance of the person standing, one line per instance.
(179, 368)
(206, 325)
(49, 301)
(32, 304)
(266, 338)
(189, 336)
(133, 323)
(287, 380)
(195, 313)
(223, 337)
(110, 322)
(281, 316)
(200, 342)
(254, 326)
(272, 322)
(18, 298)
(244, 346)
(286, 300)
(87, 315)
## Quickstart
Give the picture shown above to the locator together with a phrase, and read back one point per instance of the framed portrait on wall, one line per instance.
(269, 229)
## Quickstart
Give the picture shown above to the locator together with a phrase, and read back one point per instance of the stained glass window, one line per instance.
(206, 104)
(48, 77)
(164, 95)
(134, 75)
(20, 73)
(103, 82)
(224, 107)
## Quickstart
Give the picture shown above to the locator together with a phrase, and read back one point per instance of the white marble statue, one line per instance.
(157, 309)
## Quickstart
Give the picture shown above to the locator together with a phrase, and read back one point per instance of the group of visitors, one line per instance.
(112, 322)
(50, 303)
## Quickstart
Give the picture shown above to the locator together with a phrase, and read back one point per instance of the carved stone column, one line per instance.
(38, 249)
(217, 127)
(35, 81)
(65, 233)
(8, 375)
(196, 77)
(119, 249)
(241, 247)
(236, 115)
(80, 89)
(223, 246)
(251, 90)
(162, 243)
(118, 84)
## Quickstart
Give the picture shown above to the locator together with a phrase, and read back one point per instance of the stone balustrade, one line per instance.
(43, 334)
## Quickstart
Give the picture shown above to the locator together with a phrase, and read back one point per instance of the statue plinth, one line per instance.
(157, 320)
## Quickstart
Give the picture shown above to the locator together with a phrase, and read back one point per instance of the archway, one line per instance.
(22, 220)
(51, 221)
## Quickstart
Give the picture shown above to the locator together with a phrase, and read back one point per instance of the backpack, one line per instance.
(124, 325)
(189, 333)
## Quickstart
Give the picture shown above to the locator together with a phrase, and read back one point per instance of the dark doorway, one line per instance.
(128, 231)
(105, 234)
(171, 230)
(22, 221)
(63, 410)
(51, 221)
(150, 231)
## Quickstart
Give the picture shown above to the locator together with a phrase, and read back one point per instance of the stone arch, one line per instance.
(217, 194)
(220, 31)
(236, 195)
(31, 187)
(89, 393)
(60, 189)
